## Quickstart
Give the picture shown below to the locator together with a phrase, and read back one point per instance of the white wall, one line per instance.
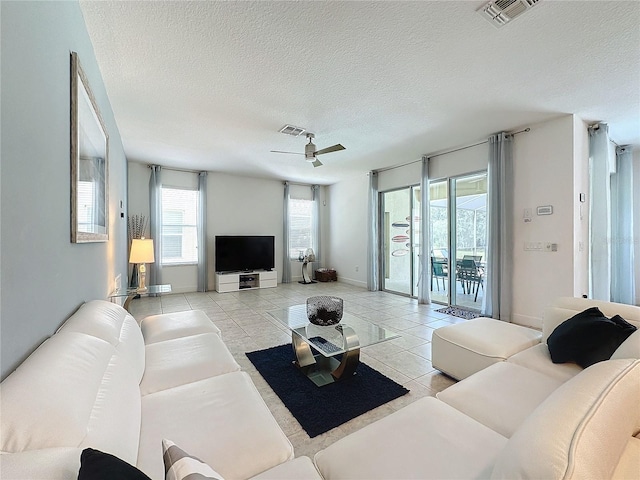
(348, 220)
(544, 175)
(236, 205)
(636, 219)
(44, 277)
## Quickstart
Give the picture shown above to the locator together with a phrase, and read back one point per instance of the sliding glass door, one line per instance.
(458, 240)
(400, 239)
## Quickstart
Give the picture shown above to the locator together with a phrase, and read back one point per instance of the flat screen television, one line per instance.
(235, 253)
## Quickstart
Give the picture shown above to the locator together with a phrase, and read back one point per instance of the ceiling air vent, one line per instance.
(501, 12)
(291, 130)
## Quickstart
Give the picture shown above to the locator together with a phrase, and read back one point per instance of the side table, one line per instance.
(131, 293)
(306, 279)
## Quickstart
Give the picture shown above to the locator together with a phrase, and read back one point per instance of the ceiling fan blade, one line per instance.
(290, 153)
(333, 148)
(316, 163)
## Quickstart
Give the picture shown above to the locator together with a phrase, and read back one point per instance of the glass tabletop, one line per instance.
(150, 290)
(329, 340)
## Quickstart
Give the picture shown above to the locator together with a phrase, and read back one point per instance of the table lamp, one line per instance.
(142, 252)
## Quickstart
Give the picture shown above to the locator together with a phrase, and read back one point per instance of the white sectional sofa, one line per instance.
(105, 382)
(521, 416)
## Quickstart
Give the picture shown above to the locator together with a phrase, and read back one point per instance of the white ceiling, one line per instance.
(207, 84)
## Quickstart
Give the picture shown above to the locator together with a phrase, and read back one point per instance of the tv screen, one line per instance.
(244, 252)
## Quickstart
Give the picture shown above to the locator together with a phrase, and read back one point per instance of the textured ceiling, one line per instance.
(207, 84)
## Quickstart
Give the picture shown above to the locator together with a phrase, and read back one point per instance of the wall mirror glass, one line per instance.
(89, 162)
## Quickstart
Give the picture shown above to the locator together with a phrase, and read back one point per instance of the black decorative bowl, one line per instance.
(324, 311)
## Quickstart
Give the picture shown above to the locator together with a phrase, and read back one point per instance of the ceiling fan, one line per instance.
(310, 152)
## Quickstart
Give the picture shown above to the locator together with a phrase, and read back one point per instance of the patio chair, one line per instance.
(471, 277)
(439, 271)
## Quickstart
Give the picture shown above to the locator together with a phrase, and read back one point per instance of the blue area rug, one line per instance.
(319, 409)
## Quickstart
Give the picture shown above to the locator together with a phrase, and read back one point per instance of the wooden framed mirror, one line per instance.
(89, 162)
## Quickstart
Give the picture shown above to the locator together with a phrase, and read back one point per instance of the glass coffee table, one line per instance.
(329, 354)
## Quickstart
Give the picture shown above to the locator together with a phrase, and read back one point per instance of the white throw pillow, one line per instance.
(630, 348)
(178, 464)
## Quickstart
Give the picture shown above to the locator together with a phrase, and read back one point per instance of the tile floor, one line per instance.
(245, 326)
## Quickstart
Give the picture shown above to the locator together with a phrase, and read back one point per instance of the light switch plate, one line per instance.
(545, 210)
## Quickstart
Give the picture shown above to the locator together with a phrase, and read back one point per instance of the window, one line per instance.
(86, 195)
(179, 226)
(300, 237)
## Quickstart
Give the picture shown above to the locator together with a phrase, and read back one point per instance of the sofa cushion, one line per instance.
(501, 396)
(581, 430)
(588, 337)
(300, 468)
(221, 420)
(184, 360)
(167, 326)
(629, 464)
(60, 463)
(426, 439)
(630, 348)
(113, 324)
(179, 465)
(97, 465)
(538, 358)
(75, 390)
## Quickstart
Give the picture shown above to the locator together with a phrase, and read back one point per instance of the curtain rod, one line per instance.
(179, 169)
(198, 171)
(302, 184)
(446, 152)
(596, 126)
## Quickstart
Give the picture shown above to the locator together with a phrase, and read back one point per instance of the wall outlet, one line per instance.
(117, 284)
(357, 268)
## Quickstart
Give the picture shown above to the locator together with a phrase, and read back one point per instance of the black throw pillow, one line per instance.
(97, 465)
(588, 337)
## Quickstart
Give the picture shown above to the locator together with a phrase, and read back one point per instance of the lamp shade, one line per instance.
(141, 251)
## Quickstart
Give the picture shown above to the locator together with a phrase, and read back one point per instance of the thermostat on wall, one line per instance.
(545, 210)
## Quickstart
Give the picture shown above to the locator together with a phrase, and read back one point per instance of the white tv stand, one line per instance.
(235, 281)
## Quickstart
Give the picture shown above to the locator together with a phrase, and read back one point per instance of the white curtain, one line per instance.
(286, 261)
(601, 165)
(373, 237)
(155, 224)
(622, 256)
(499, 267)
(202, 232)
(315, 221)
(424, 285)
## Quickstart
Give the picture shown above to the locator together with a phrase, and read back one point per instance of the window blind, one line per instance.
(179, 226)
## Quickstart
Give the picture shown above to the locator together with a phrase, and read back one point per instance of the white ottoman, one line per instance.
(465, 348)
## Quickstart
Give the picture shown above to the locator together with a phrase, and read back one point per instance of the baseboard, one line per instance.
(192, 289)
(351, 281)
